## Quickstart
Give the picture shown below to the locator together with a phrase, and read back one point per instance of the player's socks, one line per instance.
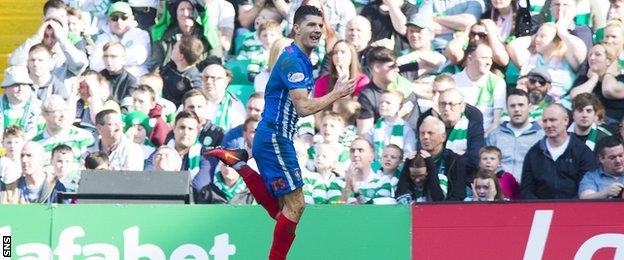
(283, 237)
(258, 189)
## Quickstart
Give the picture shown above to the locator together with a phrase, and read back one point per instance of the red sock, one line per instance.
(258, 189)
(283, 237)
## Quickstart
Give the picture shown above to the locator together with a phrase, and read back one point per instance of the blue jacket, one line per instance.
(514, 148)
(544, 178)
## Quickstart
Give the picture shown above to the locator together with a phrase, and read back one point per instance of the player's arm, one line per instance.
(307, 106)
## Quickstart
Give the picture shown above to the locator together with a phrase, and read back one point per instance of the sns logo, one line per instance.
(67, 248)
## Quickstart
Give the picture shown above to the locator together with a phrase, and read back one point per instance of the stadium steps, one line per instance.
(19, 19)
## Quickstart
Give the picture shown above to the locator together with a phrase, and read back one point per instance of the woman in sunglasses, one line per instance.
(554, 49)
(486, 32)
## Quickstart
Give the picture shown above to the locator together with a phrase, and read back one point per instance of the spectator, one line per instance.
(390, 128)
(10, 168)
(137, 128)
(64, 167)
(608, 180)
(450, 16)
(490, 161)
(155, 81)
(480, 87)
(115, 144)
(585, 126)
(167, 159)
(180, 74)
(568, 14)
(144, 13)
(76, 29)
(538, 86)
(258, 55)
(121, 81)
(94, 96)
(67, 60)
(486, 187)
(221, 16)
(186, 144)
(483, 32)
(97, 161)
(516, 136)
(324, 186)
(230, 183)
(391, 159)
(510, 20)
(234, 137)
(344, 61)
(554, 49)
(122, 29)
(418, 183)
(601, 58)
(262, 78)
(384, 75)
(251, 40)
(450, 181)
(185, 17)
(362, 185)
(210, 135)
(144, 100)
(554, 167)
(359, 34)
(255, 13)
(59, 130)
(388, 19)
(464, 126)
(36, 186)
(336, 13)
(331, 126)
(614, 36)
(40, 72)
(225, 110)
(19, 104)
(419, 37)
(616, 9)
(348, 109)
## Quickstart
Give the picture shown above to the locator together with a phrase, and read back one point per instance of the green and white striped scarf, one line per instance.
(592, 137)
(194, 156)
(457, 139)
(381, 138)
(238, 187)
(222, 118)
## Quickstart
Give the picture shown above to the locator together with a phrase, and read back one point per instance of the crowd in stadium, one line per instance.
(455, 100)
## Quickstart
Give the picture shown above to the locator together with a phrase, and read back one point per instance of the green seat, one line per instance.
(238, 42)
(241, 91)
(239, 71)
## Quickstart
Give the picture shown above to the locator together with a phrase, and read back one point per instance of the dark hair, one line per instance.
(585, 99)
(607, 142)
(485, 174)
(95, 160)
(417, 162)
(57, 4)
(250, 120)
(304, 11)
(40, 47)
(100, 118)
(380, 55)
(518, 92)
(185, 114)
(191, 93)
(491, 149)
(191, 48)
(146, 89)
(62, 148)
(13, 130)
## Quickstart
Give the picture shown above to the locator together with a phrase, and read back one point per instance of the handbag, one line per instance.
(524, 24)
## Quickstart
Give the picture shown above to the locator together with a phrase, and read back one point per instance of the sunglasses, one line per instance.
(116, 18)
(480, 34)
(540, 81)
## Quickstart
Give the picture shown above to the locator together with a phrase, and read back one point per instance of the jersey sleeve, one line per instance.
(293, 72)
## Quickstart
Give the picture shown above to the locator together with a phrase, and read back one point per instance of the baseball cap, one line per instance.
(540, 72)
(16, 75)
(418, 21)
(121, 7)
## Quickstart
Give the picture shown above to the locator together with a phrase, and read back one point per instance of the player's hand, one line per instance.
(344, 86)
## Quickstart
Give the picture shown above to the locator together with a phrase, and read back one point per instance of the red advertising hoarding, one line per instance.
(561, 230)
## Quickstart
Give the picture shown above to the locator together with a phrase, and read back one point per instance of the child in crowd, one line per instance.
(10, 168)
(323, 186)
(258, 56)
(97, 161)
(349, 110)
(490, 160)
(391, 159)
(332, 125)
(390, 128)
(231, 185)
(155, 81)
(137, 128)
(486, 187)
(64, 167)
(144, 100)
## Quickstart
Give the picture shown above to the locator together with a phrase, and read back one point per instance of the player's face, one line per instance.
(309, 31)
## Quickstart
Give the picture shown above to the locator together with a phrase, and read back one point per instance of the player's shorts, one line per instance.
(277, 162)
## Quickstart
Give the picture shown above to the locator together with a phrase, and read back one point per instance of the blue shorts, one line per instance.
(277, 162)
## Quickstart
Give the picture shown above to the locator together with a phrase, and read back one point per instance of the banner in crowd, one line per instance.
(199, 232)
(562, 230)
